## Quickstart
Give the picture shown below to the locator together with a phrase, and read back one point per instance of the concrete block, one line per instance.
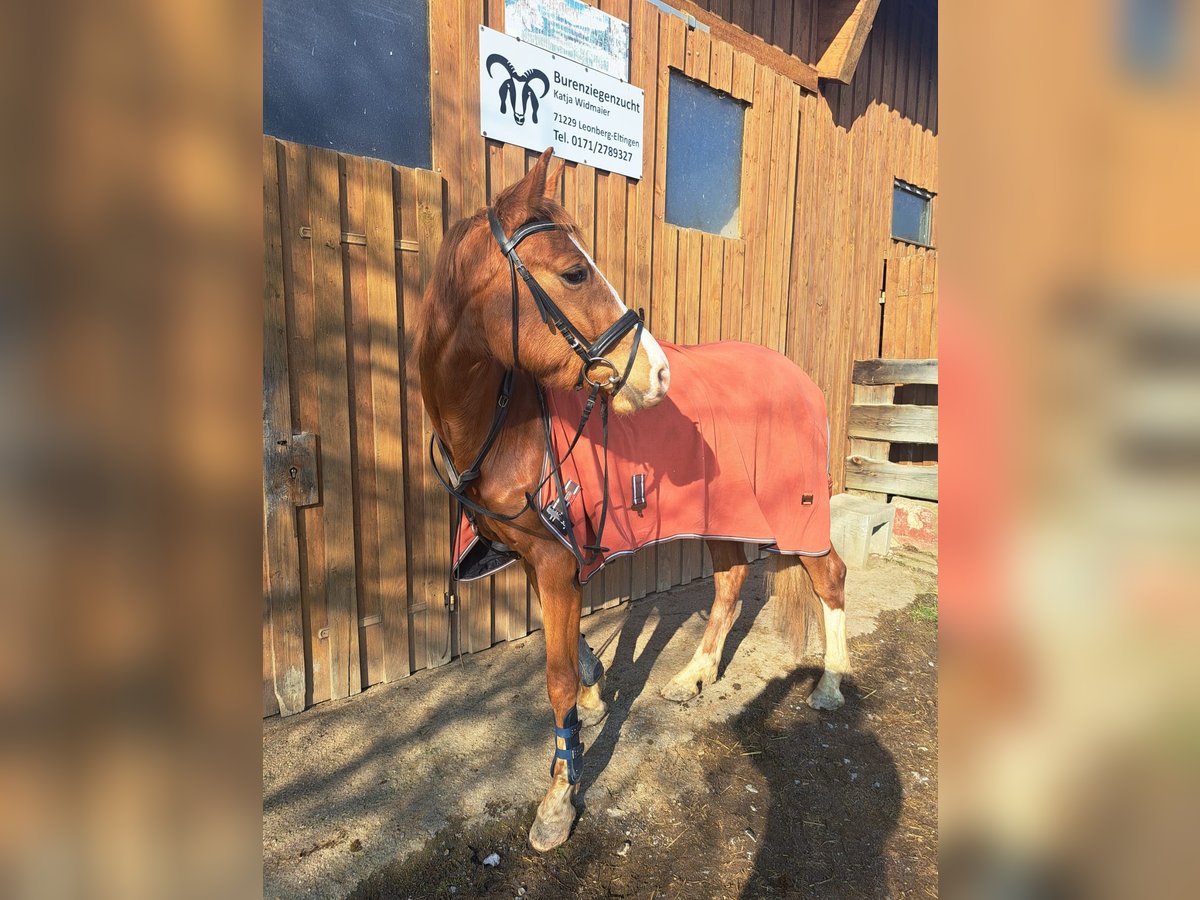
(860, 527)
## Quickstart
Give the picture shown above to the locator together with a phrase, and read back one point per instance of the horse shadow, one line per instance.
(833, 790)
(629, 672)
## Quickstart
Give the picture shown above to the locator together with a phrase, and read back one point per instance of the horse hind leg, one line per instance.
(828, 575)
(729, 574)
(591, 705)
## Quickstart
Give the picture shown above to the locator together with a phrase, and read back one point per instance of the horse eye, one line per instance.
(575, 276)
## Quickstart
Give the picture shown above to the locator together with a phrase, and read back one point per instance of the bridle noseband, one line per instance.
(591, 353)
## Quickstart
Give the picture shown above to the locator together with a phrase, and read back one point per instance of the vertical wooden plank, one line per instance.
(270, 704)
(915, 327)
(928, 318)
(933, 312)
(756, 200)
(302, 369)
(743, 76)
(585, 206)
(687, 304)
(762, 19)
(733, 290)
(781, 26)
(472, 145)
(385, 360)
(352, 173)
(802, 234)
(416, 428)
(712, 277)
(618, 581)
(430, 228)
(743, 14)
(337, 493)
(720, 76)
(800, 30)
(780, 212)
(282, 563)
(698, 62)
(446, 107)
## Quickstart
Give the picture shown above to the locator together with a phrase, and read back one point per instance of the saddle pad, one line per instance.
(738, 449)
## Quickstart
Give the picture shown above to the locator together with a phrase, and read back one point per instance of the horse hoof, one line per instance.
(830, 701)
(551, 828)
(680, 690)
(591, 716)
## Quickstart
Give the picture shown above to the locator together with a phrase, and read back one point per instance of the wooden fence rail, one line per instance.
(876, 422)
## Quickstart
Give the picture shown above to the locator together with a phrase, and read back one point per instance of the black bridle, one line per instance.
(592, 356)
(591, 353)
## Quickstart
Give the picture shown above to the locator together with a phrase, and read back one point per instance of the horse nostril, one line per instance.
(664, 378)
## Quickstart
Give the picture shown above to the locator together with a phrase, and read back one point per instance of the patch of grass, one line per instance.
(925, 609)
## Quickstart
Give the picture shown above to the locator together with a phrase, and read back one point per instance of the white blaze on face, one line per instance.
(660, 372)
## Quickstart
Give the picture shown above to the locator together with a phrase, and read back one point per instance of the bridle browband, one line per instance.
(591, 355)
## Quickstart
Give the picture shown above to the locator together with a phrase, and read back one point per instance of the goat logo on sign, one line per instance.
(524, 101)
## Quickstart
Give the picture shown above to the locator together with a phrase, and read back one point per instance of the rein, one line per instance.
(592, 356)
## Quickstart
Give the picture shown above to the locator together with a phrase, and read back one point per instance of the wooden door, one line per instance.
(910, 304)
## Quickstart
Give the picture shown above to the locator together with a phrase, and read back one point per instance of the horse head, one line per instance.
(473, 278)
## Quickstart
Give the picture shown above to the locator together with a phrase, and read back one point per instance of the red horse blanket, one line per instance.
(738, 449)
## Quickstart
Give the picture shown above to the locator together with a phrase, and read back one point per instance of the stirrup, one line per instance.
(572, 751)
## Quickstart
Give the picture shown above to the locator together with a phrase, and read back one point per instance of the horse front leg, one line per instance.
(561, 604)
(729, 574)
(591, 704)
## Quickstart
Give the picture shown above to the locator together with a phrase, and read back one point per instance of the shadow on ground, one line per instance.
(791, 803)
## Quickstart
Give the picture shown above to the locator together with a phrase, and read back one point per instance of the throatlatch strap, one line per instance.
(572, 749)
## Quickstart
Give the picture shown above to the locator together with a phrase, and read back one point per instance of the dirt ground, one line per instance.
(744, 792)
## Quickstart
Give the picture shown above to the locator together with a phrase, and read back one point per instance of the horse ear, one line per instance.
(553, 180)
(538, 184)
(512, 206)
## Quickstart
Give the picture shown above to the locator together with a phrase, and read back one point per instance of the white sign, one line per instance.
(535, 99)
(572, 29)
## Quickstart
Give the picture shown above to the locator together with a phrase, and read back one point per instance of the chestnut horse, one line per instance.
(476, 316)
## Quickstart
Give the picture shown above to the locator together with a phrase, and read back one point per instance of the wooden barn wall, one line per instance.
(352, 585)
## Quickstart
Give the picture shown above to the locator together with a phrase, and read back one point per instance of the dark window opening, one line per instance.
(912, 209)
(704, 157)
(350, 75)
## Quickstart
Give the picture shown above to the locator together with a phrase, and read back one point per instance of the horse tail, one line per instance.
(798, 615)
